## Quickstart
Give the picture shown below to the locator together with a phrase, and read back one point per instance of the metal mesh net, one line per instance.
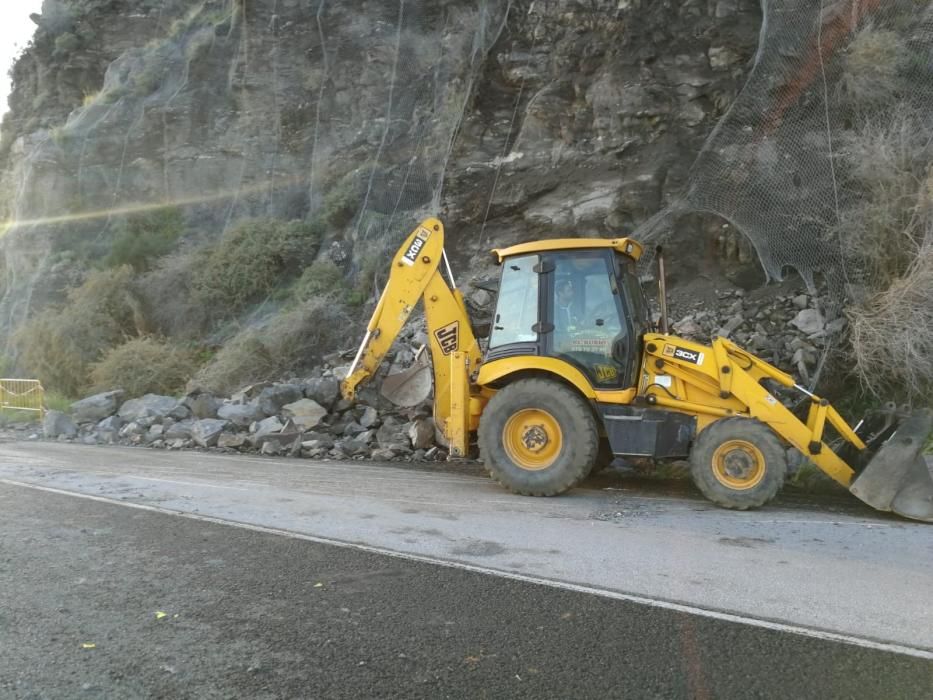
(784, 163)
(433, 53)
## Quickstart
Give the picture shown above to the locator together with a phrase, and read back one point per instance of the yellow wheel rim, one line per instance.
(532, 439)
(738, 465)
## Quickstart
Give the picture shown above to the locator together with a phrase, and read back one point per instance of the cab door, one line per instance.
(515, 329)
(585, 318)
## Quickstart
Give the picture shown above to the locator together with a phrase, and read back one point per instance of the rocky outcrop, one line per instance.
(512, 120)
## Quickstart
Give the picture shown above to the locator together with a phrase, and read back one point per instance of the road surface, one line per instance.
(618, 585)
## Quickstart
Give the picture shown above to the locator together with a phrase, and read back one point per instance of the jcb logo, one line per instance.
(683, 354)
(606, 373)
(411, 255)
(448, 337)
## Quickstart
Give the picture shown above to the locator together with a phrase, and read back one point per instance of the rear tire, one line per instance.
(538, 437)
(738, 463)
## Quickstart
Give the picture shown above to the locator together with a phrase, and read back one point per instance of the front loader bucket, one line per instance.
(898, 478)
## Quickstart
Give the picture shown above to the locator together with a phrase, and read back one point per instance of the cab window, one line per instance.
(517, 307)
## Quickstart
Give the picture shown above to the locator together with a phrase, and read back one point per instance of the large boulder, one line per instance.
(304, 413)
(232, 441)
(109, 428)
(273, 398)
(180, 430)
(248, 393)
(369, 418)
(421, 433)
(269, 426)
(206, 432)
(352, 429)
(392, 432)
(155, 433)
(154, 408)
(202, 405)
(280, 443)
(352, 448)
(97, 407)
(323, 390)
(809, 321)
(57, 424)
(242, 414)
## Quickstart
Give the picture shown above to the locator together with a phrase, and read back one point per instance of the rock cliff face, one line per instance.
(512, 120)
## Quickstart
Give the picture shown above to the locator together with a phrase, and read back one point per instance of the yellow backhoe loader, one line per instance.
(574, 373)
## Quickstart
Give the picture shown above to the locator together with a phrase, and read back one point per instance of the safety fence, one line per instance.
(22, 395)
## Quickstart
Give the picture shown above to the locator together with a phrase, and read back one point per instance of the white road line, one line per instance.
(814, 633)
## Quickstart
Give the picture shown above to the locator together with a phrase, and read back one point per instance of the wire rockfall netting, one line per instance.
(787, 164)
(433, 53)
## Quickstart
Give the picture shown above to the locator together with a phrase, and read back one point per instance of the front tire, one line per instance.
(537, 437)
(738, 463)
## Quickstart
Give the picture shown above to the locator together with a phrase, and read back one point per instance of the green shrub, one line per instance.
(371, 276)
(66, 43)
(142, 366)
(57, 402)
(167, 289)
(319, 279)
(297, 338)
(60, 344)
(871, 68)
(341, 202)
(107, 292)
(290, 342)
(141, 238)
(243, 360)
(254, 258)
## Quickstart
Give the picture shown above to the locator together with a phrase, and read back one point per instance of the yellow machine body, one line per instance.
(697, 386)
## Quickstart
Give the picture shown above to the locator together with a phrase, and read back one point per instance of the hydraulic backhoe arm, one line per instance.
(415, 275)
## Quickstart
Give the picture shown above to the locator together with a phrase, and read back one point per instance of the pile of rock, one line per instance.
(789, 331)
(309, 418)
(306, 418)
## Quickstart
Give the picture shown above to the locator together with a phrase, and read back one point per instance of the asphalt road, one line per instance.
(824, 567)
(259, 615)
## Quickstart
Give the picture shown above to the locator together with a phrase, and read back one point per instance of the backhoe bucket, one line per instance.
(411, 386)
(898, 477)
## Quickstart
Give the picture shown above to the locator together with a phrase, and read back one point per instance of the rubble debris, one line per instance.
(307, 417)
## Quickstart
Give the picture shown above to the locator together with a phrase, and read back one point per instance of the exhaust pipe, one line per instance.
(662, 291)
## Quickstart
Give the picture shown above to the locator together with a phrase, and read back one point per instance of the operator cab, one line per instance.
(578, 300)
